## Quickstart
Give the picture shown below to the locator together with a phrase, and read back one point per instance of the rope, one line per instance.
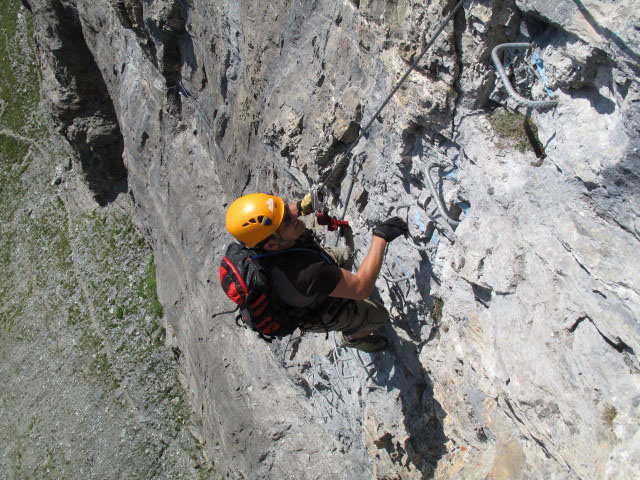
(184, 92)
(433, 38)
(503, 76)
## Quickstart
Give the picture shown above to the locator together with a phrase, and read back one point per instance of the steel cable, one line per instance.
(395, 89)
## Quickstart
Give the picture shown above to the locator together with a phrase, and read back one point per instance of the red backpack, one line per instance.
(244, 277)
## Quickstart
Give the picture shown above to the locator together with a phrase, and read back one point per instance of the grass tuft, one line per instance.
(516, 131)
(436, 313)
(609, 414)
(148, 289)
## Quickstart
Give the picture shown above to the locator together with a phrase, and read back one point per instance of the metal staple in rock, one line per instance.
(332, 388)
(510, 90)
(406, 276)
(426, 248)
(434, 192)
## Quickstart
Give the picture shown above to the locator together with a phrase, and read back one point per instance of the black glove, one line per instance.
(391, 229)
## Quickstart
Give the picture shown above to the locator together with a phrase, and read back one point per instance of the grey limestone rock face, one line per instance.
(78, 98)
(514, 337)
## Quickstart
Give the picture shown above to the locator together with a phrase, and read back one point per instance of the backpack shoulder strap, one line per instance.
(326, 258)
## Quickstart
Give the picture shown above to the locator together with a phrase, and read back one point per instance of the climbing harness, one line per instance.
(345, 156)
(537, 104)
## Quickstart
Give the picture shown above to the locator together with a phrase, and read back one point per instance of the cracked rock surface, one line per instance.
(514, 340)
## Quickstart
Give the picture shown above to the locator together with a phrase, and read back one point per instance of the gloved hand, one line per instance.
(305, 206)
(391, 229)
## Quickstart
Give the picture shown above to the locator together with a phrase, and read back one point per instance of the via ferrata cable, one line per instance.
(345, 156)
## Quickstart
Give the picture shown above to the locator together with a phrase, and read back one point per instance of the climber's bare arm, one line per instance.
(359, 286)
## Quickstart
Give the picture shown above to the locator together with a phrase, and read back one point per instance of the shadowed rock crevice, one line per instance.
(621, 190)
(166, 25)
(81, 104)
(131, 15)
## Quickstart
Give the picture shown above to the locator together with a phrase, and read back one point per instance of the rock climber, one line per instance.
(336, 299)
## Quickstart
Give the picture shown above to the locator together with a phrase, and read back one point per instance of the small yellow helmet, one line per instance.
(254, 217)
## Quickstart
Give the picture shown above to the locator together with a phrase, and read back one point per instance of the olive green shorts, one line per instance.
(353, 315)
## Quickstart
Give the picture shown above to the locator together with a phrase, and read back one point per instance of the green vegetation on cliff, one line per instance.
(89, 388)
(19, 79)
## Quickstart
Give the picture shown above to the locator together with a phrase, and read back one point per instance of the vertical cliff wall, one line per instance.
(515, 335)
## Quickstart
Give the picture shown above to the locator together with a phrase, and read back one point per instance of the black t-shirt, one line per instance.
(302, 278)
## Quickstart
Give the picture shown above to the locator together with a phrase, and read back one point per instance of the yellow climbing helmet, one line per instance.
(253, 217)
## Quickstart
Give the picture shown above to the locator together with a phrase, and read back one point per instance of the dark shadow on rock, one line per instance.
(398, 368)
(602, 104)
(409, 317)
(87, 118)
(119, 187)
(608, 34)
(532, 136)
(407, 314)
(620, 192)
(347, 235)
(187, 51)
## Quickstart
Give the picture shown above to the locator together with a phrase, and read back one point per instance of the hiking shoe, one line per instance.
(370, 343)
